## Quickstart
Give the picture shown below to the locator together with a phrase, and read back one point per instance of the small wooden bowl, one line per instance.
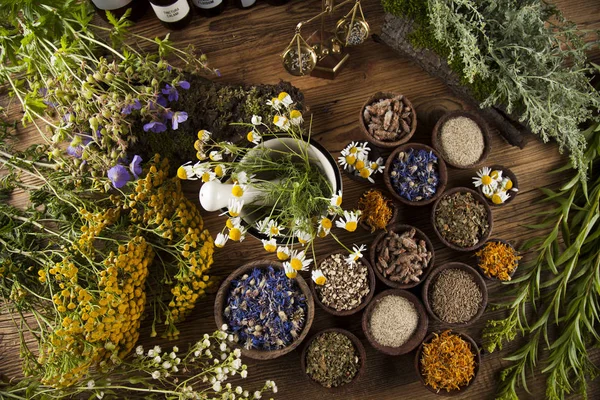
(395, 213)
(363, 304)
(363, 127)
(493, 278)
(432, 278)
(414, 340)
(490, 219)
(455, 392)
(485, 131)
(399, 228)
(221, 299)
(513, 178)
(442, 172)
(360, 349)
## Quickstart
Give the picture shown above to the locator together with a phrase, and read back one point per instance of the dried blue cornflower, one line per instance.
(414, 174)
(265, 309)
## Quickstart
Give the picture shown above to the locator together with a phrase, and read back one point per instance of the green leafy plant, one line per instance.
(522, 55)
(562, 283)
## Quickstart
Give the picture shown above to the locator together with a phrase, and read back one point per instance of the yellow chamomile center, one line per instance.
(353, 150)
(237, 191)
(281, 255)
(181, 174)
(351, 226)
(235, 234)
(486, 180)
(338, 201)
(374, 165)
(326, 223)
(291, 274)
(274, 230)
(351, 159)
(508, 184)
(495, 174)
(320, 280)
(282, 96)
(496, 199)
(296, 264)
(365, 173)
(250, 136)
(219, 171)
(270, 247)
(295, 114)
(201, 134)
(360, 164)
(229, 223)
(206, 177)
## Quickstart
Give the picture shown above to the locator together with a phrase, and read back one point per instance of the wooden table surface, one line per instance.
(245, 46)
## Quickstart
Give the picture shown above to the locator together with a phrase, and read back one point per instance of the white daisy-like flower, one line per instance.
(285, 99)
(256, 120)
(356, 254)
(237, 233)
(274, 229)
(281, 121)
(208, 176)
(366, 173)
(349, 222)
(318, 277)
(298, 260)
(361, 162)
(296, 117)
(238, 190)
(254, 137)
(336, 199)
(283, 253)
(290, 272)
(242, 178)
(215, 155)
(303, 237)
(186, 172)
(343, 162)
(507, 184)
(233, 222)
(377, 165)
(204, 135)
(221, 239)
(483, 177)
(496, 175)
(275, 103)
(234, 207)
(500, 197)
(325, 223)
(220, 170)
(348, 158)
(487, 191)
(263, 225)
(269, 245)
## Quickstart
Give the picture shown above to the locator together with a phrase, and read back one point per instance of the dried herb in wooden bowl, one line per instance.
(498, 260)
(332, 360)
(376, 210)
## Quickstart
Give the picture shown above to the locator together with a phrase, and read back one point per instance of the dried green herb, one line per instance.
(461, 219)
(332, 359)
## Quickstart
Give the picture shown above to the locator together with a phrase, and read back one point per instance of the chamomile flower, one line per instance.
(237, 233)
(303, 237)
(270, 245)
(281, 121)
(361, 162)
(377, 165)
(221, 239)
(322, 232)
(220, 170)
(289, 271)
(215, 155)
(238, 190)
(242, 178)
(186, 171)
(336, 199)
(204, 135)
(231, 222)
(356, 254)
(325, 223)
(254, 137)
(484, 177)
(275, 103)
(500, 197)
(263, 225)
(285, 99)
(507, 184)
(296, 117)
(256, 120)
(283, 253)
(298, 260)
(366, 173)
(208, 176)
(318, 277)
(487, 191)
(235, 207)
(349, 222)
(273, 228)
(344, 162)
(496, 175)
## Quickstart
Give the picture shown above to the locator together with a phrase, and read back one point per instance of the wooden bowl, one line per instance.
(395, 213)
(360, 349)
(432, 278)
(485, 131)
(513, 178)
(363, 304)
(221, 299)
(399, 228)
(442, 172)
(363, 127)
(455, 392)
(414, 340)
(490, 219)
(493, 278)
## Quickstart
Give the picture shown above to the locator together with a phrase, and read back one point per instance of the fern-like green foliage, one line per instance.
(518, 53)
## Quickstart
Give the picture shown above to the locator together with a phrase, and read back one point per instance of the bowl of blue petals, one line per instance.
(265, 313)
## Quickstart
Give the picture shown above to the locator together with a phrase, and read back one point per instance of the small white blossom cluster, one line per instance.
(355, 159)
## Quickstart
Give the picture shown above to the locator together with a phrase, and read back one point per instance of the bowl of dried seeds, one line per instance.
(462, 219)
(254, 300)
(447, 362)
(388, 119)
(402, 257)
(395, 322)
(348, 289)
(333, 359)
(455, 294)
(415, 174)
(462, 138)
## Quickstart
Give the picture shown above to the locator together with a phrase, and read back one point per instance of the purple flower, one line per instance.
(169, 68)
(135, 166)
(77, 151)
(184, 85)
(130, 107)
(178, 117)
(171, 92)
(119, 176)
(155, 127)
(160, 100)
(218, 73)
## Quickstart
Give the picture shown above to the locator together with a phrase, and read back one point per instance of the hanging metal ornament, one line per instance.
(299, 58)
(353, 29)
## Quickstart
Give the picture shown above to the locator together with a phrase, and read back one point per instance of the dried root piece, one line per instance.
(388, 120)
(402, 257)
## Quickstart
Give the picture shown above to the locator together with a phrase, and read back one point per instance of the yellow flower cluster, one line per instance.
(94, 324)
(93, 225)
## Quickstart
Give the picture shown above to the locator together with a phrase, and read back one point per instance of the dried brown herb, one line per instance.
(332, 359)
(461, 219)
